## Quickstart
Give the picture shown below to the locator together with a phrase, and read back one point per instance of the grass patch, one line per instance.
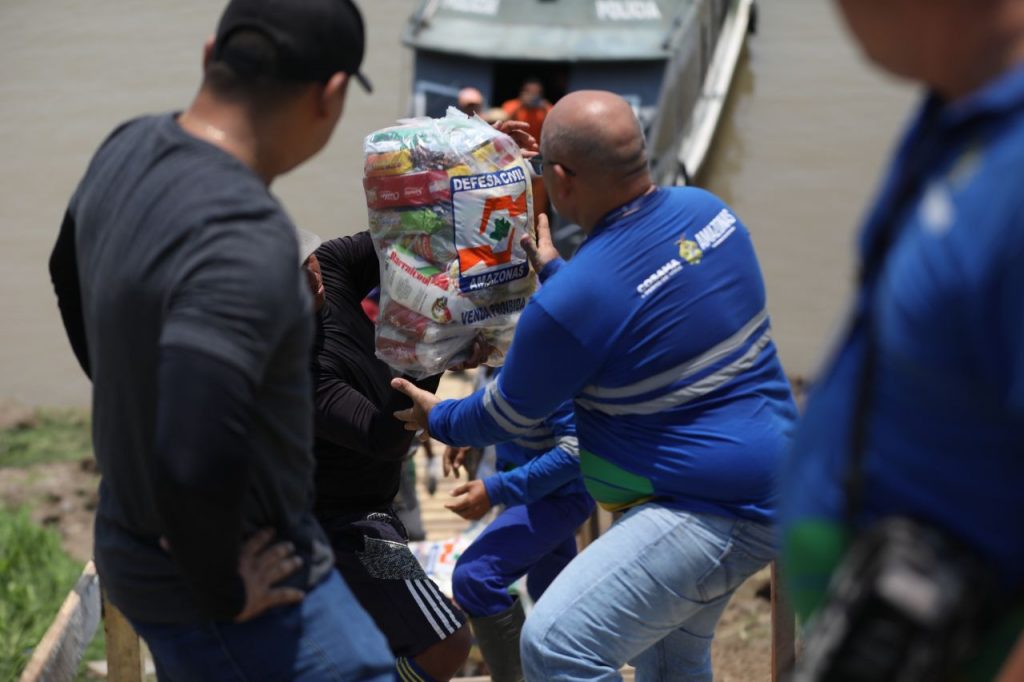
(35, 577)
(46, 435)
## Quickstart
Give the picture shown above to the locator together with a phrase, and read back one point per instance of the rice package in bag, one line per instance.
(448, 200)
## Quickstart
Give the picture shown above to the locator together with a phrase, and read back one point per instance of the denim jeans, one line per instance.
(648, 592)
(328, 636)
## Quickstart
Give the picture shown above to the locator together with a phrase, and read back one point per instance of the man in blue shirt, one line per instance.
(936, 347)
(657, 329)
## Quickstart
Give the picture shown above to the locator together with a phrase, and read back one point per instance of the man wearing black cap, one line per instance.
(177, 277)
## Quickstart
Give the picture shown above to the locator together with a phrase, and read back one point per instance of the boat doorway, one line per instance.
(508, 77)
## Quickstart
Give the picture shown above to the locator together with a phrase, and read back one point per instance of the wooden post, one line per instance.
(599, 522)
(783, 628)
(585, 534)
(125, 660)
(62, 647)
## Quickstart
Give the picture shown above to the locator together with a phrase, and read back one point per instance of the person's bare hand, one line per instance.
(478, 354)
(417, 417)
(471, 501)
(519, 131)
(315, 280)
(542, 251)
(261, 566)
(453, 459)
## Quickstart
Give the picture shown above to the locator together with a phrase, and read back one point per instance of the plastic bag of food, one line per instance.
(448, 201)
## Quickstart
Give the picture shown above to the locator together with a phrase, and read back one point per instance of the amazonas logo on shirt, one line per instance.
(691, 251)
(711, 236)
(717, 231)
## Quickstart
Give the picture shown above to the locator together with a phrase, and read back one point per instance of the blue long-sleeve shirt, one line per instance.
(657, 330)
(544, 462)
(945, 431)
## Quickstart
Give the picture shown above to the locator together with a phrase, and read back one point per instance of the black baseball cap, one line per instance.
(314, 38)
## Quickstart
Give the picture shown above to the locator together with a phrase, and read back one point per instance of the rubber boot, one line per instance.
(498, 639)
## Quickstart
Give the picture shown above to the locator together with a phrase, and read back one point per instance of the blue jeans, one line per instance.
(649, 592)
(536, 540)
(328, 636)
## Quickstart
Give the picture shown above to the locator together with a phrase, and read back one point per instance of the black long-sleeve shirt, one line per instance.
(176, 273)
(359, 444)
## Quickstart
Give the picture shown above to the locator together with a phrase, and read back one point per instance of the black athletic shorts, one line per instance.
(372, 553)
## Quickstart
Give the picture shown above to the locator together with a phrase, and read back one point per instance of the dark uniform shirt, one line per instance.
(171, 243)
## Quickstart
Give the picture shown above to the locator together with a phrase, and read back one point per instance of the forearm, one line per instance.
(546, 366)
(467, 422)
(202, 472)
(349, 266)
(389, 434)
(533, 480)
(347, 418)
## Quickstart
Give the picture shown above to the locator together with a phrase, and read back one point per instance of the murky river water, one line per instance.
(798, 154)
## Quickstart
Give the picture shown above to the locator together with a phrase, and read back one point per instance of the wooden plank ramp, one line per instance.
(61, 649)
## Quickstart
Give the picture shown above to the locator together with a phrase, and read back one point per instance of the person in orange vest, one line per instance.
(531, 108)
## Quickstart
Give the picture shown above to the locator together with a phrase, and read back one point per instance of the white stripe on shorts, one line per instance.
(432, 595)
(423, 607)
(435, 592)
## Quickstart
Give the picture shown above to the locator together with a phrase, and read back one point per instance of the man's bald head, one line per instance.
(470, 101)
(596, 134)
